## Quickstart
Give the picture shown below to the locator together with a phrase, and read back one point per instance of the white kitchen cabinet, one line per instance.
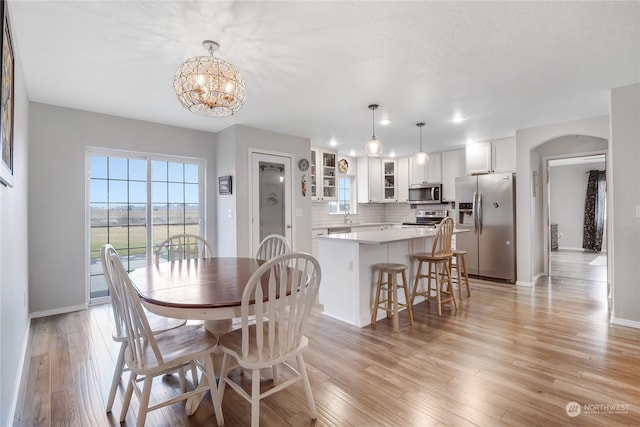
(504, 155)
(369, 180)
(324, 181)
(431, 172)
(491, 156)
(389, 181)
(452, 167)
(403, 179)
(314, 240)
(477, 157)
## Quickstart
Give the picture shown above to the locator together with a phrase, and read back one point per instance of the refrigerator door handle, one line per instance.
(474, 212)
(480, 211)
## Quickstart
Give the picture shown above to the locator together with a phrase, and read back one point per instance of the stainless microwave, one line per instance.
(425, 193)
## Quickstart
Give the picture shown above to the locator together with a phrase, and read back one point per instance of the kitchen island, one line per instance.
(348, 284)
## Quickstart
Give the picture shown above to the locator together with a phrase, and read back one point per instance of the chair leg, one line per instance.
(274, 374)
(194, 374)
(117, 374)
(438, 288)
(376, 302)
(255, 398)
(144, 401)
(394, 294)
(463, 264)
(389, 300)
(224, 372)
(415, 282)
(213, 388)
(182, 380)
(307, 387)
(127, 396)
(447, 266)
(406, 297)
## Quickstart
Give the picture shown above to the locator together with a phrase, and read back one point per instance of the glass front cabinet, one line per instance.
(324, 181)
(389, 181)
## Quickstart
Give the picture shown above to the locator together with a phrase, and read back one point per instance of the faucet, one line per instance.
(347, 220)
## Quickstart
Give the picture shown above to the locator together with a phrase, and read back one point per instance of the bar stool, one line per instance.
(439, 261)
(461, 277)
(391, 304)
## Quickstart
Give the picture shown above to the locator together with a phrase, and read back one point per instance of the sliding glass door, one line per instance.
(128, 192)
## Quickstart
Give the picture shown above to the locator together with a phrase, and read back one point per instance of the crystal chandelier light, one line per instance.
(421, 157)
(209, 86)
(373, 148)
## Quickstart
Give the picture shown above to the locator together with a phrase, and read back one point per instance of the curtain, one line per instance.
(594, 208)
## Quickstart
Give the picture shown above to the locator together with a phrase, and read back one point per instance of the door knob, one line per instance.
(288, 225)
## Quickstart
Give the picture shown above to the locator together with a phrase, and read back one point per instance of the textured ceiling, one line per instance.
(311, 68)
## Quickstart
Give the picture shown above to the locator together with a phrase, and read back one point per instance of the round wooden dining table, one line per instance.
(208, 289)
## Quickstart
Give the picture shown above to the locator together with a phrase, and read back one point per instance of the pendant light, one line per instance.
(421, 157)
(373, 148)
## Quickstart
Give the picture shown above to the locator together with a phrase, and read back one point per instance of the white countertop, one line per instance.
(385, 236)
(352, 225)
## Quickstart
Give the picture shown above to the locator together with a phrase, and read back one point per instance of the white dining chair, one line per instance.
(158, 324)
(183, 247)
(271, 246)
(281, 294)
(150, 355)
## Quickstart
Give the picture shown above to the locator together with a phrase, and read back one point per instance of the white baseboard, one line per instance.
(625, 322)
(523, 283)
(22, 375)
(55, 311)
(537, 276)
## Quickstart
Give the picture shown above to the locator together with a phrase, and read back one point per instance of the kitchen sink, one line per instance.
(334, 230)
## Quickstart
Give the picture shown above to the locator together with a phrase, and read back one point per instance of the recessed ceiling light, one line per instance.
(352, 153)
(458, 118)
(333, 142)
(392, 154)
(385, 122)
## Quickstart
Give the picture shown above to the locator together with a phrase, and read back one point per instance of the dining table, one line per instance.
(208, 289)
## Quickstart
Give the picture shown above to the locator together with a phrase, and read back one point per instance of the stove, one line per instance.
(428, 218)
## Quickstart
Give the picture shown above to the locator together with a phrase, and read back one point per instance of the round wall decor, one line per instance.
(303, 165)
(343, 165)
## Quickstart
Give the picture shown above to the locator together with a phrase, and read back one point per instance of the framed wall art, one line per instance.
(6, 101)
(224, 184)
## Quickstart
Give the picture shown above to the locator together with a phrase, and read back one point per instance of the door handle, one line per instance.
(480, 211)
(474, 212)
(288, 225)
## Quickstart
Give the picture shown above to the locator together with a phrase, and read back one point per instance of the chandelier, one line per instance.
(373, 148)
(209, 86)
(421, 157)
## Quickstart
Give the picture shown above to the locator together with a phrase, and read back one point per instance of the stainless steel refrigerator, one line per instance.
(486, 207)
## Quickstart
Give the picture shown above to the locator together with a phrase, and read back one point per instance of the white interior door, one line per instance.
(270, 197)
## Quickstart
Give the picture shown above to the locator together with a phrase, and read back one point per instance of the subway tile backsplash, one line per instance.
(370, 212)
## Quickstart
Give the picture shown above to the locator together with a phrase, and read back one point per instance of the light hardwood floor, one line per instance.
(509, 356)
(589, 266)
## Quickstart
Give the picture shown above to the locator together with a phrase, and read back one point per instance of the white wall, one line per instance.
(58, 140)
(624, 176)
(529, 211)
(14, 271)
(568, 188)
(240, 140)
